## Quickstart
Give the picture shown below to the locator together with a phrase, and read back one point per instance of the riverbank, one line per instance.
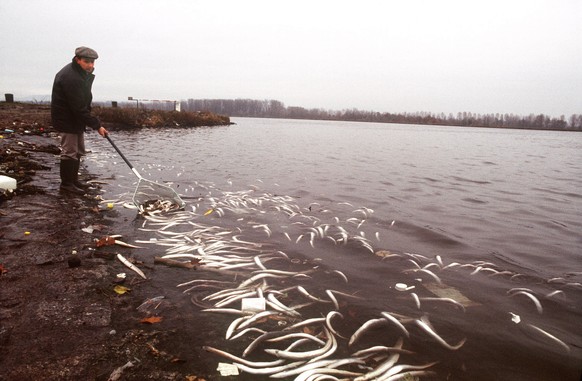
(60, 321)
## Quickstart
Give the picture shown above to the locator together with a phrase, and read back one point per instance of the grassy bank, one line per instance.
(136, 118)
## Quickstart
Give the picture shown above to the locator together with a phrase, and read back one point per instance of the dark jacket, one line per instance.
(71, 100)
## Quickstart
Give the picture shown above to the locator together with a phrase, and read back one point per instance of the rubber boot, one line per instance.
(76, 181)
(68, 168)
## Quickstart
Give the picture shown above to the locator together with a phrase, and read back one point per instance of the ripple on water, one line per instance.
(496, 224)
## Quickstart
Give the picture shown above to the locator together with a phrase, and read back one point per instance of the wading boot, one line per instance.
(76, 182)
(68, 173)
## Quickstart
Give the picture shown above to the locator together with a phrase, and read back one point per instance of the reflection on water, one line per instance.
(487, 211)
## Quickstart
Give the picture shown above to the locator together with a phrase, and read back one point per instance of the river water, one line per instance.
(502, 208)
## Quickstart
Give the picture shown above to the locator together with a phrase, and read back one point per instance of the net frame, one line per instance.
(148, 191)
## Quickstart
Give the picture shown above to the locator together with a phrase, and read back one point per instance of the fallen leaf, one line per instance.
(383, 253)
(119, 289)
(194, 378)
(2, 269)
(208, 212)
(151, 320)
(308, 330)
(105, 241)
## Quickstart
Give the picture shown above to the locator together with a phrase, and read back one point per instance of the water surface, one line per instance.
(509, 198)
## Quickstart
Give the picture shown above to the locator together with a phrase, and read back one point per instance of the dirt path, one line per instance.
(56, 321)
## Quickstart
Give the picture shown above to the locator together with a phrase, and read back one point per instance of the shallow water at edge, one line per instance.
(509, 198)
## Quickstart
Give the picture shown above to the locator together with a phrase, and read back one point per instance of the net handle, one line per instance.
(123, 157)
(176, 197)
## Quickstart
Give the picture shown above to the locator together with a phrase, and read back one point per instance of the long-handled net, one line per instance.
(150, 196)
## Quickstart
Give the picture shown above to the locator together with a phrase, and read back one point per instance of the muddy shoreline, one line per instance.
(59, 322)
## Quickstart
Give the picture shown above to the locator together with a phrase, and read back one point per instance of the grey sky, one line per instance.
(484, 56)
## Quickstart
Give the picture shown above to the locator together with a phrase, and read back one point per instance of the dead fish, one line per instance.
(550, 336)
(131, 265)
(121, 243)
(364, 327)
(425, 325)
(152, 206)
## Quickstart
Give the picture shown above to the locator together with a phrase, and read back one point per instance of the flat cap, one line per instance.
(86, 52)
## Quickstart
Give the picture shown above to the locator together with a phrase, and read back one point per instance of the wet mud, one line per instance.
(60, 316)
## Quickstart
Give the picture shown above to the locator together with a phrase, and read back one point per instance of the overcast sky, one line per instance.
(484, 56)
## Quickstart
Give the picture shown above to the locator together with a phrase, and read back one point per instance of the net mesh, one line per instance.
(150, 195)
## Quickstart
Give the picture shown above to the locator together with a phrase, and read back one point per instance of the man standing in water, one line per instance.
(71, 114)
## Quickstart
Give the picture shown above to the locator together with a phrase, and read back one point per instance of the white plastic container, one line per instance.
(253, 304)
(7, 183)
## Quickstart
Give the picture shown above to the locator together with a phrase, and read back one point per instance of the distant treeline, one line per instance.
(276, 109)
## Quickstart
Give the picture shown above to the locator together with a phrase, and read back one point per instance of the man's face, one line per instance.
(87, 64)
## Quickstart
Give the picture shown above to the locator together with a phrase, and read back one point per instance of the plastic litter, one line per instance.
(7, 183)
(227, 369)
(444, 291)
(253, 305)
(403, 287)
(515, 318)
